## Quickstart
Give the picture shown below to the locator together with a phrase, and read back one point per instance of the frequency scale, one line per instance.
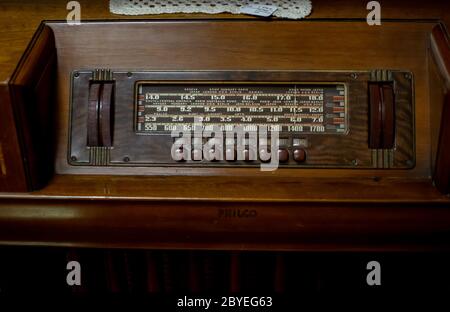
(280, 107)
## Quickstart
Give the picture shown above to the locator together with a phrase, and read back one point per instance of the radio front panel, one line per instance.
(304, 119)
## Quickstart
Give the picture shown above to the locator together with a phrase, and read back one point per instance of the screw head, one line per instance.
(126, 159)
(129, 74)
(354, 75)
(73, 158)
(76, 74)
(355, 162)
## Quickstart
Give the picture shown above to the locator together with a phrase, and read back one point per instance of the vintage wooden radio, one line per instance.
(327, 134)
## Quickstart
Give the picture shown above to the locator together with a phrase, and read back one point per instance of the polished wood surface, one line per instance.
(301, 210)
(219, 225)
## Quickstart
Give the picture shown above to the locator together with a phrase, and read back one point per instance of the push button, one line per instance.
(212, 155)
(197, 154)
(230, 154)
(299, 155)
(213, 150)
(283, 155)
(249, 155)
(264, 154)
(179, 154)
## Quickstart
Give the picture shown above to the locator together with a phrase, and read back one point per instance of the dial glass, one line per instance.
(284, 107)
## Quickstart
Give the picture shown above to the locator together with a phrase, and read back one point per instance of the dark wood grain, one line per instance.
(12, 173)
(32, 90)
(440, 48)
(442, 170)
(162, 224)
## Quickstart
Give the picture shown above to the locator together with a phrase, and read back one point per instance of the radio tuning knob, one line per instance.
(381, 115)
(230, 154)
(264, 155)
(100, 109)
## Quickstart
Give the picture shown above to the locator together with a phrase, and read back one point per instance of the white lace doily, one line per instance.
(293, 9)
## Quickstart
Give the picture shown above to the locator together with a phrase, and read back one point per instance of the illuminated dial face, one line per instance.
(286, 107)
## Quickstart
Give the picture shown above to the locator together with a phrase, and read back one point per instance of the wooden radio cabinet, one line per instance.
(363, 147)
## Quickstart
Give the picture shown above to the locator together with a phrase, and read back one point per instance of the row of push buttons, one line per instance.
(299, 155)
